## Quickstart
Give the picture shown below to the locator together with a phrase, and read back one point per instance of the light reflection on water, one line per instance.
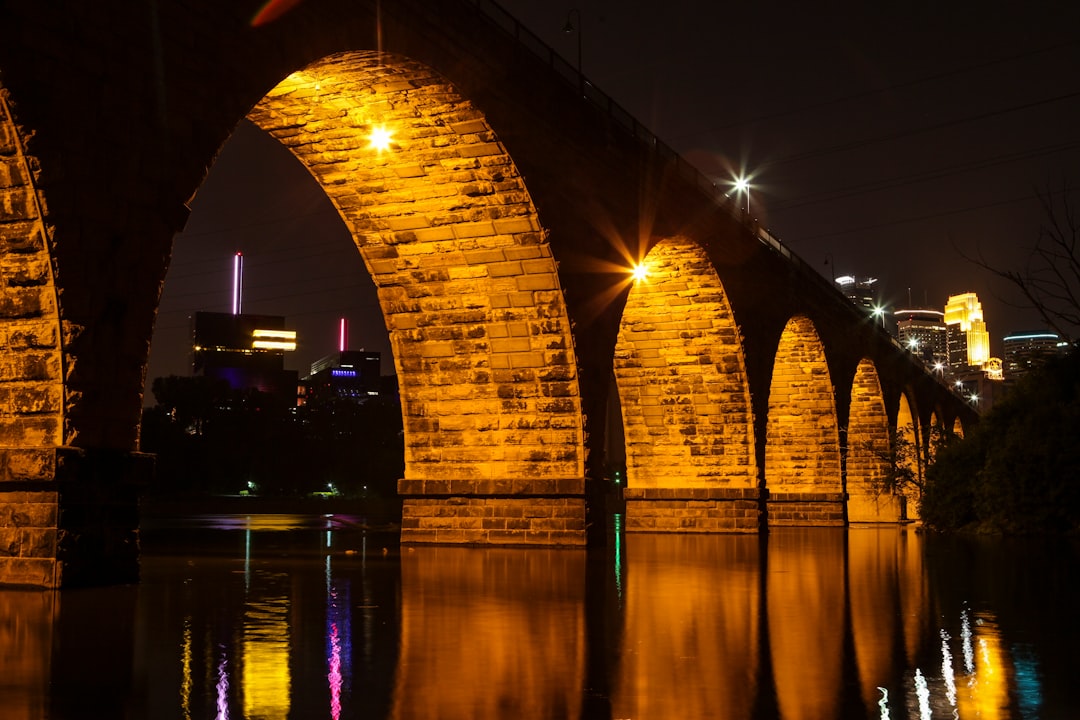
(315, 617)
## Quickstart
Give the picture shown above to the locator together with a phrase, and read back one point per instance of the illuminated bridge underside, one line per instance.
(868, 451)
(469, 291)
(685, 401)
(802, 446)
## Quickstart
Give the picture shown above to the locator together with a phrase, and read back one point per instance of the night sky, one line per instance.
(883, 140)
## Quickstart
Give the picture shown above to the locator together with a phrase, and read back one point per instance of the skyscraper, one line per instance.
(968, 339)
(247, 351)
(1026, 350)
(923, 331)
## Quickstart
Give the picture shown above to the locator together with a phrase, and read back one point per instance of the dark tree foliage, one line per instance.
(1018, 471)
(213, 440)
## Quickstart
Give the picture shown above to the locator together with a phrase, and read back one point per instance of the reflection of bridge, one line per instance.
(499, 228)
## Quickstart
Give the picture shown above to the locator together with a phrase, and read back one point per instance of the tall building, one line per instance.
(861, 292)
(1024, 351)
(247, 351)
(923, 331)
(350, 375)
(968, 339)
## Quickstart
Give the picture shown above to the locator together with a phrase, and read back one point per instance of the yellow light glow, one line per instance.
(380, 138)
(640, 272)
(276, 334)
(274, 345)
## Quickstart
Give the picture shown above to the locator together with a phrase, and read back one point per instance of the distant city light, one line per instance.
(238, 281)
(274, 339)
(343, 335)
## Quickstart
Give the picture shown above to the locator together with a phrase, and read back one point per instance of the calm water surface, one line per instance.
(282, 616)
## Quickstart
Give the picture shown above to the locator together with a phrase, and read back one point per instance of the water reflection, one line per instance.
(491, 633)
(326, 619)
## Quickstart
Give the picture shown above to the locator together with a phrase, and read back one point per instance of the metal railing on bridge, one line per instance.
(689, 172)
(622, 117)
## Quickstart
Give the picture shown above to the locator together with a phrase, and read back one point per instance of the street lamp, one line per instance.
(879, 312)
(569, 27)
(742, 185)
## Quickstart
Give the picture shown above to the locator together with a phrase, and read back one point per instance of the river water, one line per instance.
(316, 616)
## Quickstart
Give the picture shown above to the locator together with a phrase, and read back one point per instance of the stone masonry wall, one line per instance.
(681, 377)
(693, 510)
(483, 512)
(31, 376)
(868, 450)
(802, 451)
(465, 276)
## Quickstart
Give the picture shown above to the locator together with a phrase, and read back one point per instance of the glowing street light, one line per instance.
(640, 272)
(913, 344)
(742, 185)
(879, 313)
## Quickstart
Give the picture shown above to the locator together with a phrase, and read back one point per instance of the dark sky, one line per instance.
(887, 138)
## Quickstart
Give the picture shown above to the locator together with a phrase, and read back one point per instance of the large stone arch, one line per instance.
(32, 402)
(685, 401)
(868, 450)
(802, 441)
(907, 452)
(468, 288)
(31, 375)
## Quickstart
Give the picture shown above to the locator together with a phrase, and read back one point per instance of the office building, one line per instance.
(347, 375)
(1024, 351)
(247, 351)
(923, 332)
(967, 337)
(861, 292)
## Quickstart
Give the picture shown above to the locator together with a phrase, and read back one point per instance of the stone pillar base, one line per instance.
(693, 510)
(870, 508)
(493, 512)
(70, 517)
(805, 509)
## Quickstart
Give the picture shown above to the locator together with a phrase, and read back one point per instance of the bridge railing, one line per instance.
(619, 115)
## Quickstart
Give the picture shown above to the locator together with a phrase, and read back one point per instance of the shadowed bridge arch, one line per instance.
(496, 227)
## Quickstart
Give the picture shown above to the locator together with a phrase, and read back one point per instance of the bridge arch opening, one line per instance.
(958, 428)
(907, 452)
(868, 450)
(802, 445)
(467, 289)
(682, 386)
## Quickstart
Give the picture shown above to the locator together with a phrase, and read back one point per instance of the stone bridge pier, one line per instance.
(500, 223)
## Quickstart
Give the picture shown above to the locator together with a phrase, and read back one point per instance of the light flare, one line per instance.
(380, 138)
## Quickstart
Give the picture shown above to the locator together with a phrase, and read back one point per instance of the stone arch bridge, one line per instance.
(500, 226)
